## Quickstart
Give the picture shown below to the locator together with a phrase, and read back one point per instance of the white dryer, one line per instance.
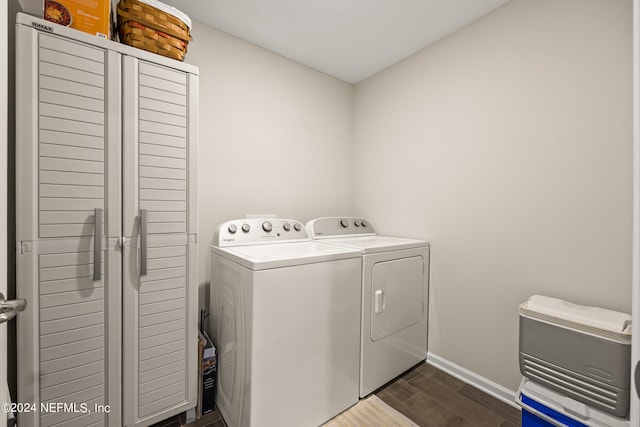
(395, 277)
(284, 324)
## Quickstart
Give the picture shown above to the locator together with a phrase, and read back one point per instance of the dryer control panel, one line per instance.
(321, 228)
(255, 231)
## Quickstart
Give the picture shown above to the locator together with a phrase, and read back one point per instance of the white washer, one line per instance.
(395, 277)
(286, 324)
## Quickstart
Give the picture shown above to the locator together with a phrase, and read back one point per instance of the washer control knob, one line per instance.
(362, 223)
(297, 227)
(246, 228)
(286, 226)
(266, 226)
(344, 223)
(232, 229)
(356, 223)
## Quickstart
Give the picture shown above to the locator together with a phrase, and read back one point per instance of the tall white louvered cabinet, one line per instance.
(106, 230)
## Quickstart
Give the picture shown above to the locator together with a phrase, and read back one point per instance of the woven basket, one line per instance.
(151, 29)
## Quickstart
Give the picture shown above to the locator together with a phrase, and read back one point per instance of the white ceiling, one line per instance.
(348, 39)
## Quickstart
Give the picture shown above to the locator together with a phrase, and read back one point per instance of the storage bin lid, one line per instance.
(594, 320)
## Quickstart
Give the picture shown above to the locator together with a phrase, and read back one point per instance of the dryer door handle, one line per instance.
(378, 301)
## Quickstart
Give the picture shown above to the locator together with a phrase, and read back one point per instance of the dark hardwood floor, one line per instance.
(212, 419)
(433, 398)
(426, 395)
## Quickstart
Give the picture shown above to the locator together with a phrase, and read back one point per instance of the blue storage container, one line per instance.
(543, 407)
(530, 419)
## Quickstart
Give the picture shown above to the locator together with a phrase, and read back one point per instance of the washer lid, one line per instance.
(262, 257)
(374, 244)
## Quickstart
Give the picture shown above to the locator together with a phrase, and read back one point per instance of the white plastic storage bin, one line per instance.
(578, 351)
(543, 407)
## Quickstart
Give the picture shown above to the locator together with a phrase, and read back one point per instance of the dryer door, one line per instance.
(397, 295)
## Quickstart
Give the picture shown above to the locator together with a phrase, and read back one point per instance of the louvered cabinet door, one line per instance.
(160, 289)
(68, 206)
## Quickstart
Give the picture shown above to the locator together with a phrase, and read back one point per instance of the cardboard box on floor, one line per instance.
(90, 16)
(207, 371)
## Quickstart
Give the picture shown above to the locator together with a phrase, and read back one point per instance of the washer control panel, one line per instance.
(254, 231)
(321, 228)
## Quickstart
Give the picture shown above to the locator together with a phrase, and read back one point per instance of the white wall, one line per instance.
(3, 200)
(508, 146)
(32, 7)
(634, 412)
(275, 137)
(4, 145)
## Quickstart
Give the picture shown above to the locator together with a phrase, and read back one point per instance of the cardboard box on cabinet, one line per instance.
(90, 16)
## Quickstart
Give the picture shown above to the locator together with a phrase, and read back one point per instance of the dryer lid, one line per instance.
(375, 244)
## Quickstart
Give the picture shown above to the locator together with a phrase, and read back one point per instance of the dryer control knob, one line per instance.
(266, 226)
(232, 229)
(344, 223)
(297, 227)
(286, 226)
(362, 223)
(246, 228)
(356, 223)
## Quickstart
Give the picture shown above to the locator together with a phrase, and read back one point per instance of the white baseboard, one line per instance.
(482, 383)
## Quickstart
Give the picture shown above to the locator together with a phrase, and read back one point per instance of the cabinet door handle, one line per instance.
(143, 242)
(97, 245)
(9, 308)
(637, 378)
